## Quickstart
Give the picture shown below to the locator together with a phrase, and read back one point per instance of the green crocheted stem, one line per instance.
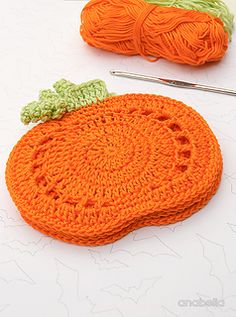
(66, 97)
(214, 7)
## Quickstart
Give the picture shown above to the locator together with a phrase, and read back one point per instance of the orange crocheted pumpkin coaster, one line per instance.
(107, 169)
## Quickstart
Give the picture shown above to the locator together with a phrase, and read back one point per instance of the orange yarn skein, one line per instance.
(133, 27)
(107, 169)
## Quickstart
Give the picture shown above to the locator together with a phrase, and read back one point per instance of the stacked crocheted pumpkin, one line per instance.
(111, 167)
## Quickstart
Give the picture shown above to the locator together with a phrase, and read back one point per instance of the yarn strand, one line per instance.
(215, 7)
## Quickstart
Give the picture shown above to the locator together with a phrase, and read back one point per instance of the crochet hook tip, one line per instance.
(120, 73)
(114, 72)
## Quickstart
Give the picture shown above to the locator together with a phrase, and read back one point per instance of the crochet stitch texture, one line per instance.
(107, 169)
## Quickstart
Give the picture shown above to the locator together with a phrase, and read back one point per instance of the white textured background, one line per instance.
(149, 271)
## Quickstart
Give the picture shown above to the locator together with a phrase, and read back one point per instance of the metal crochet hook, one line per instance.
(173, 82)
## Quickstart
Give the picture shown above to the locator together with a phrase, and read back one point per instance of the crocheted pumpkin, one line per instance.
(104, 170)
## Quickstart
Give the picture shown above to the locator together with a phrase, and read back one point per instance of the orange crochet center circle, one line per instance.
(107, 169)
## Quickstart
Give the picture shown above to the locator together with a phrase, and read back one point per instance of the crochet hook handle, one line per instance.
(173, 82)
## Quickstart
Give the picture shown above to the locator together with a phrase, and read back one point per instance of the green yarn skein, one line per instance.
(214, 7)
(66, 97)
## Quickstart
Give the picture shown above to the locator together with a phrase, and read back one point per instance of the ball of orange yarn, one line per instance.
(133, 27)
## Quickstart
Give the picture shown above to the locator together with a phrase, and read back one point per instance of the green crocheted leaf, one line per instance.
(66, 97)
